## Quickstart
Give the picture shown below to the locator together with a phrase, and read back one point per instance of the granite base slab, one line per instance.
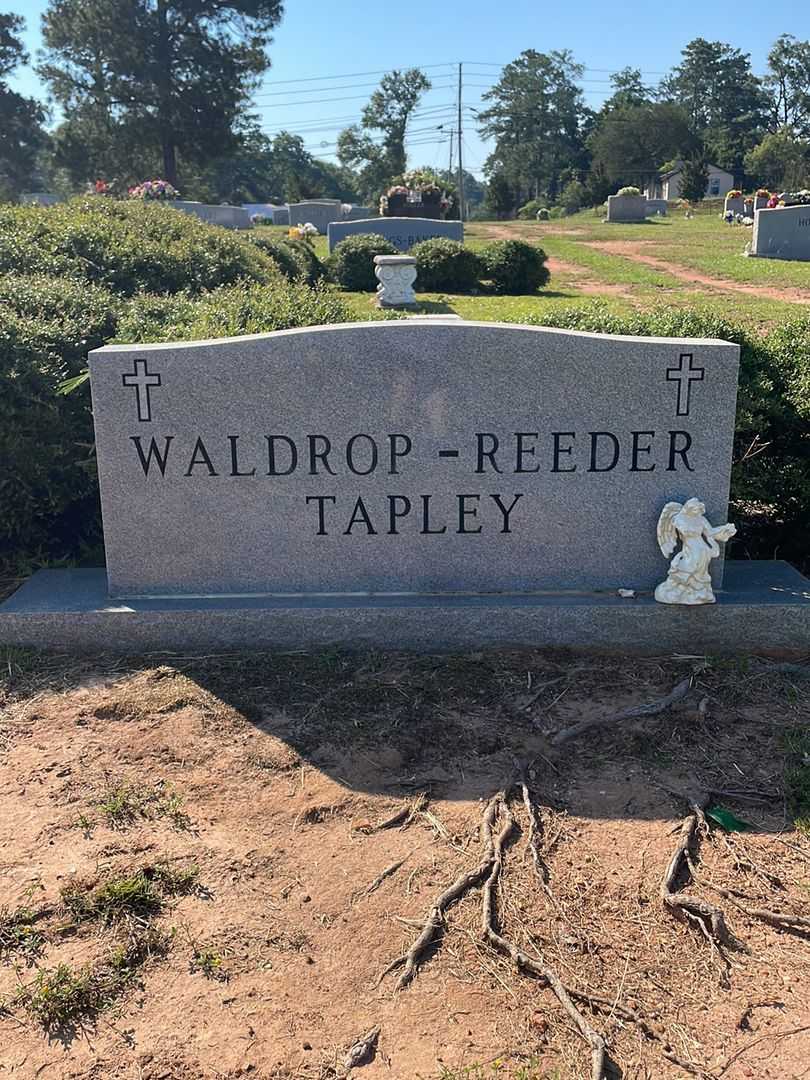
(765, 606)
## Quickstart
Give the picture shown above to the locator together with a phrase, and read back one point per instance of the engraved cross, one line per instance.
(142, 380)
(684, 375)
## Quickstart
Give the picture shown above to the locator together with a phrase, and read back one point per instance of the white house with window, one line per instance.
(668, 185)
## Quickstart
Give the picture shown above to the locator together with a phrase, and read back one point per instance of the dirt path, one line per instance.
(263, 777)
(632, 249)
(585, 284)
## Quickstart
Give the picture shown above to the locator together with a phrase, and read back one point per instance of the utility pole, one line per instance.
(460, 167)
(450, 166)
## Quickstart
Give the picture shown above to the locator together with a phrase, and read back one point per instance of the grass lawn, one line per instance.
(593, 261)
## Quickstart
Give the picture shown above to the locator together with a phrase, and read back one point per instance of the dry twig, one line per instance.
(710, 918)
(653, 708)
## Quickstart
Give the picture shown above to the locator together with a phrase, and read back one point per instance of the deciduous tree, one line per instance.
(789, 84)
(781, 161)
(387, 114)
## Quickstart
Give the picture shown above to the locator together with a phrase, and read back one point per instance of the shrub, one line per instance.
(48, 489)
(312, 267)
(127, 247)
(351, 264)
(573, 196)
(281, 254)
(515, 267)
(445, 265)
(629, 190)
(528, 212)
(770, 488)
(229, 312)
(294, 258)
(48, 497)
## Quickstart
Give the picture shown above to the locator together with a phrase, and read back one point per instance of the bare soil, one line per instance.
(635, 250)
(585, 284)
(271, 774)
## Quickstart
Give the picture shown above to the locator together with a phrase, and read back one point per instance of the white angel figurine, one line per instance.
(688, 580)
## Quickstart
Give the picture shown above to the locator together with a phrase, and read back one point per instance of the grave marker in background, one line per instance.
(402, 232)
(782, 233)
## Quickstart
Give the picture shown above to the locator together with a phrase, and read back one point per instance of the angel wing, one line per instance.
(666, 531)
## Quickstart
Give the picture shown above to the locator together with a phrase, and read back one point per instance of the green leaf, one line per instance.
(67, 386)
(726, 820)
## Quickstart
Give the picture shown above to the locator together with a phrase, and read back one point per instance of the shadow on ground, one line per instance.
(459, 726)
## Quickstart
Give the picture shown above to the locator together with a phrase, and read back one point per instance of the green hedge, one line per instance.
(770, 482)
(48, 487)
(128, 247)
(296, 259)
(514, 267)
(445, 265)
(351, 264)
(228, 312)
(48, 496)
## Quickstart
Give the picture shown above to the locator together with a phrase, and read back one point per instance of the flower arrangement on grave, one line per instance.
(735, 193)
(795, 198)
(629, 190)
(773, 202)
(762, 193)
(416, 186)
(258, 219)
(154, 191)
(306, 232)
(394, 198)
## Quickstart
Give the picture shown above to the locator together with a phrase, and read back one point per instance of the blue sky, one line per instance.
(333, 45)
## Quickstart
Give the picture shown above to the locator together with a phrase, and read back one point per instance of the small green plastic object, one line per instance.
(726, 820)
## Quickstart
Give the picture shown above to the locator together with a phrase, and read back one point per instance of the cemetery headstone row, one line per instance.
(230, 217)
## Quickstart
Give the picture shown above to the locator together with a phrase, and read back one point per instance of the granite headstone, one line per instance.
(274, 213)
(39, 198)
(402, 232)
(426, 455)
(782, 233)
(230, 217)
(626, 208)
(317, 212)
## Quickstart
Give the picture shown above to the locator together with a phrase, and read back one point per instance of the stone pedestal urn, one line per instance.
(396, 275)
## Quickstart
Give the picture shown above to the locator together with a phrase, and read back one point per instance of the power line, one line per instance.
(348, 86)
(358, 74)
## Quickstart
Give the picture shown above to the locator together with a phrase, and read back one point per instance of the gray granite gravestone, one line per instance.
(782, 233)
(39, 198)
(273, 213)
(230, 217)
(317, 212)
(402, 232)
(358, 213)
(733, 204)
(626, 208)
(428, 483)
(434, 456)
